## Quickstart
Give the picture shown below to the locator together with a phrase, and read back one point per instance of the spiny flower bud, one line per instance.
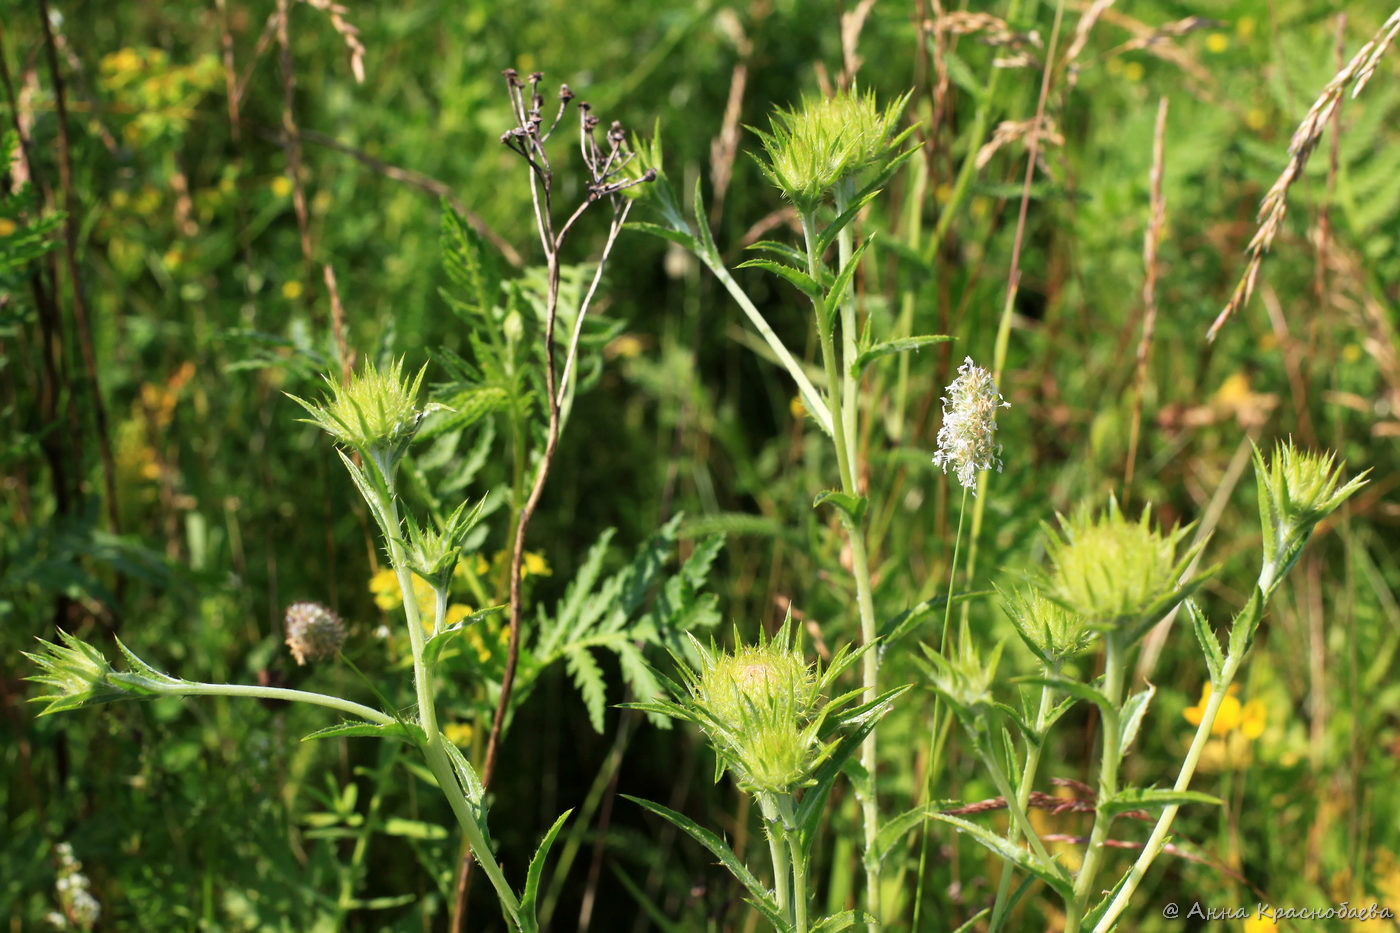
(313, 631)
(966, 441)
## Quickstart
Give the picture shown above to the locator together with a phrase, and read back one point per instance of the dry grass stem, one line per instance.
(1043, 131)
(1275, 204)
(1151, 240)
(348, 34)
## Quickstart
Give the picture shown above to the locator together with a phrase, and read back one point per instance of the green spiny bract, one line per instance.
(1297, 489)
(816, 146)
(764, 710)
(1052, 632)
(375, 413)
(1121, 576)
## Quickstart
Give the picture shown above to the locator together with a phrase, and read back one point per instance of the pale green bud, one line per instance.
(1121, 576)
(1052, 632)
(814, 147)
(376, 412)
(1297, 490)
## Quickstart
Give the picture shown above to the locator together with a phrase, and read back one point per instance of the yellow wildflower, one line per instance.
(7, 226)
(534, 565)
(458, 733)
(1217, 42)
(1134, 71)
(385, 587)
(291, 290)
(796, 407)
(456, 612)
(1260, 924)
(281, 186)
(1249, 718)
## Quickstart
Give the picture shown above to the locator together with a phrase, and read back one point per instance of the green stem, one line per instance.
(843, 434)
(799, 866)
(434, 751)
(1158, 837)
(782, 871)
(811, 398)
(1114, 663)
(1034, 746)
(187, 688)
(935, 747)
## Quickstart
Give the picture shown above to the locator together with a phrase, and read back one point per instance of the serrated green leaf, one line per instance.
(842, 921)
(403, 731)
(1057, 878)
(853, 506)
(1130, 719)
(832, 230)
(891, 831)
(891, 347)
(831, 301)
(1074, 688)
(440, 639)
(533, 874)
(1147, 798)
(762, 897)
(1205, 637)
(795, 277)
(588, 678)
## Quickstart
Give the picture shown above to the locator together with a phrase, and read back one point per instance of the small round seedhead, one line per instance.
(313, 632)
(967, 440)
(817, 145)
(1120, 576)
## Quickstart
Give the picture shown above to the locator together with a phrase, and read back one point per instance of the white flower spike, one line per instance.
(966, 441)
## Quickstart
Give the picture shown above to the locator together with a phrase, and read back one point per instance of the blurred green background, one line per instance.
(156, 484)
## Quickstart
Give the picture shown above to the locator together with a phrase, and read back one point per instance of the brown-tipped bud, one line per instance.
(649, 175)
(585, 105)
(565, 95)
(615, 132)
(512, 76)
(590, 121)
(536, 77)
(313, 631)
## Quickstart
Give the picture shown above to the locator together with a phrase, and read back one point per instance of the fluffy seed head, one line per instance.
(313, 631)
(967, 440)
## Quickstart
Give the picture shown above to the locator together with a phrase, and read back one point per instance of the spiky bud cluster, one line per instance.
(967, 440)
(313, 632)
(1119, 575)
(376, 412)
(814, 147)
(763, 709)
(1052, 632)
(1297, 490)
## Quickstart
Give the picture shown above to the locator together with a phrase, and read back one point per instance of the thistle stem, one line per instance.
(1155, 841)
(1034, 746)
(843, 436)
(1114, 663)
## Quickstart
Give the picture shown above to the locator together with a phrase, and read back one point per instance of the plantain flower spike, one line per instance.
(967, 440)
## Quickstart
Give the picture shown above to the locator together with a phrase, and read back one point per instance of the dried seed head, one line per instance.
(967, 441)
(313, 631)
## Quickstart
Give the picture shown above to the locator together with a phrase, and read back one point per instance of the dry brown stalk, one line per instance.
(348, 34)
(1275, 204)
(1043, 131)
(1157, 220)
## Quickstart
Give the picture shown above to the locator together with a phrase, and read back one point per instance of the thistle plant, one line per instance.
(374, 416)
(1110, 579)
(829, 158)
(774, 723)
